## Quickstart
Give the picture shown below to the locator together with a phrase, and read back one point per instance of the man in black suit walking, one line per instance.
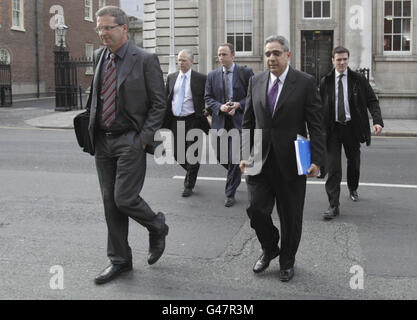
(346, 96)
(280, 102)
(185, 103)
(127, 108)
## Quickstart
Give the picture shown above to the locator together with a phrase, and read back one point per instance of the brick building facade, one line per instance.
(27, 40)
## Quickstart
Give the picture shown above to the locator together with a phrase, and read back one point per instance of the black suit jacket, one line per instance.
(361, 98)
(197, 83)
(298, 105)
(140, 92)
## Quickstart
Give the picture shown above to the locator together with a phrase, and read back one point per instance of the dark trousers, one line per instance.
(191, 169)
(342, 135)
(121, 168)
(267, 189)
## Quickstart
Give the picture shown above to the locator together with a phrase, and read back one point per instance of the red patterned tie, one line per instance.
(108, 93)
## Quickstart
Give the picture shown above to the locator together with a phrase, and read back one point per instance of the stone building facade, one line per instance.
(381, 35)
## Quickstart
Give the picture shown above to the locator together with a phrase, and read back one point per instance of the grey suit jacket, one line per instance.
(140, 92)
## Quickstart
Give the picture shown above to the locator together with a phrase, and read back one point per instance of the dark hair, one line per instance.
(340, 50)
(120, 17)
(231, 47)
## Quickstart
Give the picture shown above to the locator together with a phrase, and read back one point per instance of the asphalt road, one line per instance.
(51, 214)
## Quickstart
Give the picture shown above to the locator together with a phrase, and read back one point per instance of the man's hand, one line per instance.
(143, 145)
(225, 107)
(242, 166)
(313, 171)
(206, 113)
(377, 129)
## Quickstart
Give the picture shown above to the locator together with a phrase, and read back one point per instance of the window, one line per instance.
(317, 9)
(239, 24)
(4, 56)
(88, 10)
(101, 3)
(18, 15)
(89, 50)
(397, 26)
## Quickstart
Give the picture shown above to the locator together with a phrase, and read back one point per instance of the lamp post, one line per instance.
(62, 75)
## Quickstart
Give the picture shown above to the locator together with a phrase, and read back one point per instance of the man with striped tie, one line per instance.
(127, 108)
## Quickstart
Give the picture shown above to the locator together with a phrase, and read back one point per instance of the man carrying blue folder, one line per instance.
(281, 102)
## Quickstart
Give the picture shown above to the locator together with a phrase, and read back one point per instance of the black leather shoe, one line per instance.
(187, 192)
(331, 213)
(230, 201)
(265, 259)
(111, 272)
(157, 242)
(286, 274)
(353, 194)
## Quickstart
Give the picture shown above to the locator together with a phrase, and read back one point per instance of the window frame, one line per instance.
(240, 53)
(398, 52)
(89, 52)
(90, 16)
(7, 55)
(312, 8)
(21, 26)
(101, 3)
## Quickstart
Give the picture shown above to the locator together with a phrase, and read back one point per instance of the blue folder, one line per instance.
(303, 154)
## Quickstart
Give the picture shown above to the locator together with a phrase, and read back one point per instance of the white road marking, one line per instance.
(364, 184)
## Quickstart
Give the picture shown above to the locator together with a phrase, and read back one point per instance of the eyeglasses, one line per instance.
(276, 53)
(106, 28)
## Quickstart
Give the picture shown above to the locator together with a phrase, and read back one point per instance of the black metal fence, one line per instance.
(364, 72)
(66, 81)
(5, 85)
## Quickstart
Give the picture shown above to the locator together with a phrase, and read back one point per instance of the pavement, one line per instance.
(64, 120)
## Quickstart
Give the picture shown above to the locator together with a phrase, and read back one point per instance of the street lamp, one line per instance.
(61, 30)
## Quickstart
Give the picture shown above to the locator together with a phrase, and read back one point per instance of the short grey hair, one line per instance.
(120, 17)
(188, 52)
(280, 39)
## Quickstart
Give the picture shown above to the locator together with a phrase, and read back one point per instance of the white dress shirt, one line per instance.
(282, 78)
(188, 105)
(345, 93)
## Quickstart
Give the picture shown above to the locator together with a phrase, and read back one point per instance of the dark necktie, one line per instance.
(341, 115)
(226, 85)
(108, 93)
(272, 95)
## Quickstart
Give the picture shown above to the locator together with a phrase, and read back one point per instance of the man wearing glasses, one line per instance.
(281, 102)
(127, 107)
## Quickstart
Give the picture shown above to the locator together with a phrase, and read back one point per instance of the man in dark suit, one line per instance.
(185, 105)
(281, 102)
(225, 96)
(346, 97)
(127, 107)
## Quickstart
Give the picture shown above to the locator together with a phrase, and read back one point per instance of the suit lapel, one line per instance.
(288, 88)
(127, 66)
(350, 84)
(172, 84)
(264, 88)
